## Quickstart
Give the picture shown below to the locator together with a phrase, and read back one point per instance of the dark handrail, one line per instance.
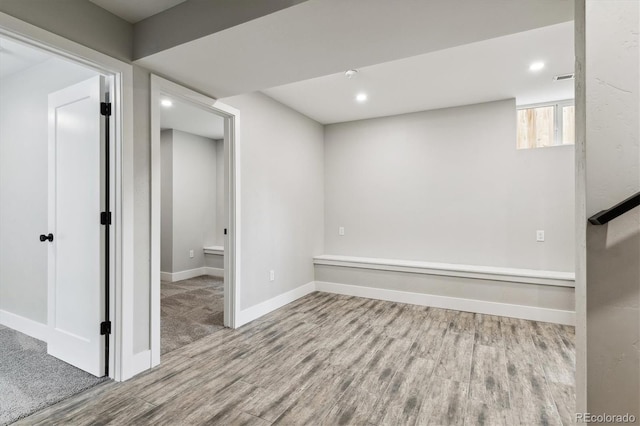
(621, 208)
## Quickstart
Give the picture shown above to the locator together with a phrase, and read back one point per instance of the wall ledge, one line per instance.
(219, 250)
(527, 276)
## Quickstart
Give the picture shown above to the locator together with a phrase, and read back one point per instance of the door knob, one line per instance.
(44, 238)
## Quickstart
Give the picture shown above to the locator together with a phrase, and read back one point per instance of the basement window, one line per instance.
(546, 124)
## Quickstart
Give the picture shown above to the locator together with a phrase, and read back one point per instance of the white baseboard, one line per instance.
(255, 312)
(214, 272)
(191, 273)
(533, 313)
(32, 328)
(467, 305)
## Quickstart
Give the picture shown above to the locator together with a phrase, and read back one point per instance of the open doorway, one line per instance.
(55, 234)
(194, 236)
(192, 216)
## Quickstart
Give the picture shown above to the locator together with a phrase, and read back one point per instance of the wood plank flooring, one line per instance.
(335, 360)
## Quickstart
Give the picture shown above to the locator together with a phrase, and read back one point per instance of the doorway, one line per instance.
(194, 237)
(192, 230)
(55, 263)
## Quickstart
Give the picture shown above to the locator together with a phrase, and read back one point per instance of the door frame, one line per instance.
(122, 360)
(163, 87)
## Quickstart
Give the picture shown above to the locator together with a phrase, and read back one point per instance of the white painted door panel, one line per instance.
(76, 254)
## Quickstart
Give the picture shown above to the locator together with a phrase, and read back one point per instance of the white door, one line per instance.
(76, 301)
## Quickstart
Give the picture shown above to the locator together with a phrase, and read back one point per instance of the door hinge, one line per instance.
(105, 108)
(105, 328)
(105, 218)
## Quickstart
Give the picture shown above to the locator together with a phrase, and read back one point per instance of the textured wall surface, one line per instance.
(612, 174)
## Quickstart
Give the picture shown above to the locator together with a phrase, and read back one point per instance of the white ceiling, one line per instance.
(136, 10)
(321, 37)
(478, 72)
(16, 57)
(188, 118)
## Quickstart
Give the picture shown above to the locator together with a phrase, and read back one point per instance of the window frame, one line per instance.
(558, 122)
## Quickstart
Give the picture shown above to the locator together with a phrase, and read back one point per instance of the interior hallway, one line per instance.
(331, 359)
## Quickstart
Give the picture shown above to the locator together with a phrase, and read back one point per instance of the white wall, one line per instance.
(23, 183)
(611, 82)
(192, 194)
(448, 186)
(281, 154)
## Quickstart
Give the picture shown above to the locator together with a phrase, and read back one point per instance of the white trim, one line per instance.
(459, 304)
(213, 272)
(24, 325)
(181, 275)
(140, 362)
(217, 250)
(533, 313)
(261, 309)
(527, 276)
(561, 102)
(121, 339)
(191, 273)
(160, 87)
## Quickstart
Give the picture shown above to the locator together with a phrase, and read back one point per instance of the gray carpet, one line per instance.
(190, 310)
(30, 379)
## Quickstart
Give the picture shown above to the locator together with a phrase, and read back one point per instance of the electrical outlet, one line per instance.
(272, 275)
(341, 230)
(540, 236)
(191, 254)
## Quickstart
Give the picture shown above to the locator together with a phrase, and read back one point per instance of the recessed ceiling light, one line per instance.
(166, 103)
(351, 73)
(536, 66)
(361, 97)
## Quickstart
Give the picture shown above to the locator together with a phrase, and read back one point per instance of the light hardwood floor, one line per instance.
(329, 360)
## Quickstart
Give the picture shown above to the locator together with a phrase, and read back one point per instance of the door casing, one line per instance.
(162, 87)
